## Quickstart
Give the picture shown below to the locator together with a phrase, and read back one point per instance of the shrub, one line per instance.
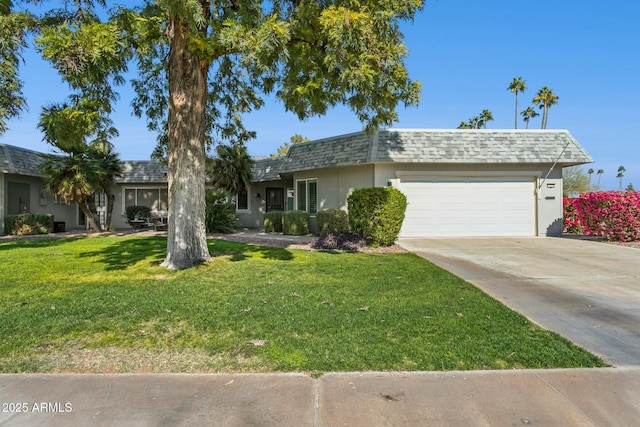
(332, 221)
(340, 241)
(273, 222)
(295, 223)
(572, 223)
(614, 215)
(220, 213)
(377, 214)
(27, 224)
(137, 212)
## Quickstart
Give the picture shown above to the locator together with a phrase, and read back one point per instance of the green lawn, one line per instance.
(104, 305)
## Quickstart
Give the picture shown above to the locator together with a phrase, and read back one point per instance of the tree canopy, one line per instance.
(283, 150)
(201, 65)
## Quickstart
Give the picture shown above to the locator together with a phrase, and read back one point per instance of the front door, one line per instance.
(18, 198)
(275, 199)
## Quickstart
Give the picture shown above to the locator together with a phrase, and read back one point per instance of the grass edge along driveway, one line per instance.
(105, 305)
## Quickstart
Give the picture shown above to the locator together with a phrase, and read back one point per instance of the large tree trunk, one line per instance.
(187, 240)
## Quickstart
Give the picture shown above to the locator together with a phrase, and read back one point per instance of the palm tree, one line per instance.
(517, 85)
(545, 99)
(599, 173)
(84, 168)
(528, 114)
(231, 169)
(464, 125)
(590, 172)
(74, 178)
(621, 171)
(485, 116)
(110, 169)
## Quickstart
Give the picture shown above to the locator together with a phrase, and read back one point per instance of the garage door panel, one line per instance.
(469, 207)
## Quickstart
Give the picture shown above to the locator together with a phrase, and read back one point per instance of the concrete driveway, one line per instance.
(587, 291)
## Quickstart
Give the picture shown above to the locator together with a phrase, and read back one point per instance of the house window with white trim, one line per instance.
(155, 198)
(242, 201)
(307, 197)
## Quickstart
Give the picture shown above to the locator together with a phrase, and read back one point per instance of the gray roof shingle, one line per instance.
(19, 161)
(391, 145)
(143, 171)
(438, 146)
(267, 169)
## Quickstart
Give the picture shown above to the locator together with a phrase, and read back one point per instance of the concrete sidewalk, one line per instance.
(568, 397)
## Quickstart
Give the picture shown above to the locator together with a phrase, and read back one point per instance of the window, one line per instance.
(242, 201)
(155, 198)
(100, 199)
(307, 197)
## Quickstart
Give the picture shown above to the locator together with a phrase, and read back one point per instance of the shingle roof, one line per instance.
(20, 161)
(391, 145)
(438, 146)
(267, 169)
(140, 171)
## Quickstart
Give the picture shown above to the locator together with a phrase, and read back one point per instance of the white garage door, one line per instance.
(469, 207)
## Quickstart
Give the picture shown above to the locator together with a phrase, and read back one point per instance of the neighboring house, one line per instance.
(457, 182)
(22, 189)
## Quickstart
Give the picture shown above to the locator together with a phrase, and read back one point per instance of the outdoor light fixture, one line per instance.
(258, 196)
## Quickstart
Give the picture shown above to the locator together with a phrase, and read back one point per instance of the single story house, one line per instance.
(457, 182)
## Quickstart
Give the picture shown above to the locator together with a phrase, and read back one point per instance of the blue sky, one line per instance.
(465, 53)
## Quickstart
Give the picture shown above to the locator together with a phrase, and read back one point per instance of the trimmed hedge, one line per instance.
(377, 214)
(273, 222)
(295, 223)
(26, 224)
(137, 212)
(332, 221)
(220, 213)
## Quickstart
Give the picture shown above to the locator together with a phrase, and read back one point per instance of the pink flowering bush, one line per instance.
(571, 221)
(614, 215)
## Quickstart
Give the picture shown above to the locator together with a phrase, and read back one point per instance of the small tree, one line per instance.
(84, 168)
(284, 149)
(220, 213)
(574, 181)
(528, 114)
(485, 117)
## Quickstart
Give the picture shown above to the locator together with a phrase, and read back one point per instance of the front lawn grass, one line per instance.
(105, 305)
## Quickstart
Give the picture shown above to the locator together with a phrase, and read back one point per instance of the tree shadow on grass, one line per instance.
(26, 243)
(125, 253)
(242, 251)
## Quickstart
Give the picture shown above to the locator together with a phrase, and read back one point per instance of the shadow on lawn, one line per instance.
(242, 251)
(24, 243)
(125, 253)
